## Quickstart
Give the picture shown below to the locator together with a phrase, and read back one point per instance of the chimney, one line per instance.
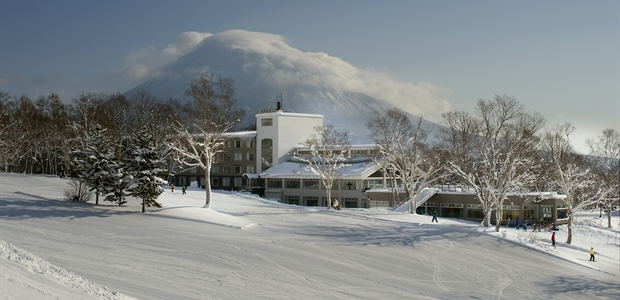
(279, 106)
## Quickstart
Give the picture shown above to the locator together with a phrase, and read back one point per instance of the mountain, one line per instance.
(267, 70)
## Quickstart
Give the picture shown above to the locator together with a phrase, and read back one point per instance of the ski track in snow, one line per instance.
(38, 266)
(184, 251)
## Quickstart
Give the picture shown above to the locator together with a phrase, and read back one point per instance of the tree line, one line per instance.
(117, 146)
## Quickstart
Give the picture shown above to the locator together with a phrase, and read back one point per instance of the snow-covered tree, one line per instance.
(328, 153)
(492, 151)
(572, 174)
(401, 145)
(206, 119)
(95, 162)
(605, 153)
(143, 164)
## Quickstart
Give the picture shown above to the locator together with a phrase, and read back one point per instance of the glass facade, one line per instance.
(349, 185)
(311, 201)
(292, 183)
(452, 210)
(266, 154)
(274, 183)
(311, 184)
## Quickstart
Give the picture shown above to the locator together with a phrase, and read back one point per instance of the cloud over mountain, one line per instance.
(266, 65)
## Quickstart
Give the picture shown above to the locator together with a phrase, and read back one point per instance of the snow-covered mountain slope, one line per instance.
(266, 70)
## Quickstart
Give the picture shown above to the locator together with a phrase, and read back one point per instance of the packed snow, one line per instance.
(245, 247)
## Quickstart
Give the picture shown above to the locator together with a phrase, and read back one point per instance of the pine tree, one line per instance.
(95, 162)
(143, 164)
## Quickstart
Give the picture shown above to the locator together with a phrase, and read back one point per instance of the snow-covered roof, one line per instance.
(359, 170)
(240, 134)
(283, 113)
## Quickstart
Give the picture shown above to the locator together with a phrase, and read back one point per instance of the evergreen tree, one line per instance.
(95, 162)
(143, 164)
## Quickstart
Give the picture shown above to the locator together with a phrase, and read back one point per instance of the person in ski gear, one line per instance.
(517, 223)
(434, 217)
(183, 188)
(172, 187)
(553, 239)
(592, 254)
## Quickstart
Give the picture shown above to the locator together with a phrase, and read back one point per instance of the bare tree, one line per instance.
(605, 153)
(401, 145)
(328, 154)
(205, 120)
(491, 151)
(572, 174)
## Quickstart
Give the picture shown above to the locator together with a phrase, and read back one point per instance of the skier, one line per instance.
(553, 239)
(592, 254)
(172, 187)
(434, 217)
(183, 188)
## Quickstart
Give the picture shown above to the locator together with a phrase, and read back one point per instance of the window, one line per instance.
(226, 156)
(274, 183)
(311, 184)
(249, 142)
(238, 181)
(311, 200)
(266, 154)
(249, 156)
(350, 202)
(292, 200)
(266, 122)
(249, 169)
(292, 183)
(349, 185)
(237, 169)
(215, 169)
(226, 169)
(238, 156)
(226, 181)
(358, 152)
(237, 143)
(215, 182)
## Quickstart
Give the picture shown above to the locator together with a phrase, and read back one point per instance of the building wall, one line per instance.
(287, 130)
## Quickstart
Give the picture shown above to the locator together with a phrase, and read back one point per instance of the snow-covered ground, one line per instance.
(244, 247)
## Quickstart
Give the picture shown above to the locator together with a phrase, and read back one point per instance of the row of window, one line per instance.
(237, 182)
(311, 184)
(238, 156)
(238, 143)
(235, 169)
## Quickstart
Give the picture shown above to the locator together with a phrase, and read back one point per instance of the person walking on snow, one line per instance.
(553, 239)
(592, 254)
(183, 188)
(434, 217)
(517, 223)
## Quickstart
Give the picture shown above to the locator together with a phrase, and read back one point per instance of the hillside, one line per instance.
(248, 248)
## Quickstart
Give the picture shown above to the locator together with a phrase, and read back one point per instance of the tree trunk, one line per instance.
(329, 197)
(487, 215)
(143, 204)
(498, 219)
(570, 229)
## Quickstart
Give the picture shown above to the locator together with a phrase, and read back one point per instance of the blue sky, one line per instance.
(560, 58)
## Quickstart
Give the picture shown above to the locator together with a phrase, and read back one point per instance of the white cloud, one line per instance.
(287, 65)
(148, 62)
(277, 62)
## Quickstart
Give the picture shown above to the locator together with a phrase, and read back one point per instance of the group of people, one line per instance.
(183, 188)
